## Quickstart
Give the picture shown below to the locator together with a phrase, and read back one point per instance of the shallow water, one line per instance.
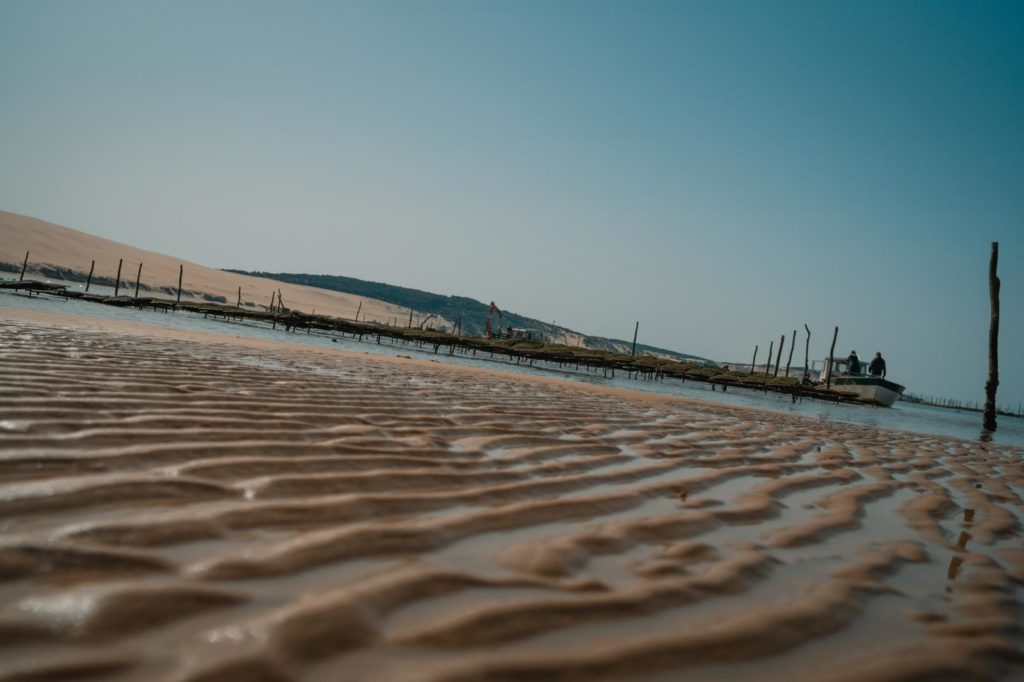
(902, 416)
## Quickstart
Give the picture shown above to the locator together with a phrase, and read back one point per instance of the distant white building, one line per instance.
(526, 334)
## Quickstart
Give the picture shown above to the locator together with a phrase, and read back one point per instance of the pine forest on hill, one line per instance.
(471, 312)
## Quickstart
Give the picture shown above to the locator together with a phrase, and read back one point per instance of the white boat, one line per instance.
(875, 390)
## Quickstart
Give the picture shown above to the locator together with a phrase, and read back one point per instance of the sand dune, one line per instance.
(63, 247)
(169, 510)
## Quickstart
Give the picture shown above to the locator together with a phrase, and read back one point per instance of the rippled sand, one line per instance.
(213, 510)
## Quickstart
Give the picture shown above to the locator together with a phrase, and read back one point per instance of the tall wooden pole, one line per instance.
(768, 366)
(117, 284)
(753, 363)
(831, 353)
(273, 297)
(636, 329)
(409, 326)
(181, 273)
(358, 309)
(88, 280)
(23, 266)
(138, 279)
(989, 416)
(807, 350)
(778, 358)
(239, 303)
(792, 346)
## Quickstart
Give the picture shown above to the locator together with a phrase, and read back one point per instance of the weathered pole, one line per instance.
(636, 329)
(807, 350)
(358, 309)
(753, 363)
(273, 297)
(768, 366)
(88, 280)
(989, 417)
(831, 352)
(409, 326)
(138, 279)
(778, 358)
(23, 266)
(239, 303)
(792, 346)
(117, 284)
(280, 301)
(181, 273)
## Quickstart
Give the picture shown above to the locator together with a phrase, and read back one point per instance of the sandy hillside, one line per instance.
(172, 511)
(64, 247)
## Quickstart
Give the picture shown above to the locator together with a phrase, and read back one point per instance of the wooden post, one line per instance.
(768, 366)
(831, 353)
(989, 418)
(280, 301)
(753, 363)
(410, 319)
(88, 280)
(117, 284)
(792, 345)
(239, 303)
(358, 309)
(778, 358)
(635, 331)
(23, 266)
(807, 350)
(272, 297)
(138, 279)
(181, 274)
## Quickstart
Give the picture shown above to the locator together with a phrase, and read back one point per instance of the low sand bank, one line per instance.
(183, 506)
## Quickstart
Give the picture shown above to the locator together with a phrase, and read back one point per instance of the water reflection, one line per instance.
(956, 562)
(954, 569)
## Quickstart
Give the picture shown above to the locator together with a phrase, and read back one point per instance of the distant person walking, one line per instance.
(853, 363)
(877, 366)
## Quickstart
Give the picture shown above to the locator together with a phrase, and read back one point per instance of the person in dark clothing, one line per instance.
(853, 363)
(877, 366)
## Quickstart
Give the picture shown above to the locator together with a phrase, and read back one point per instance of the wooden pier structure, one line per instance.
(519, 351)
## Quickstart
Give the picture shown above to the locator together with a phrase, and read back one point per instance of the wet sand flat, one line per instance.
(178, 507)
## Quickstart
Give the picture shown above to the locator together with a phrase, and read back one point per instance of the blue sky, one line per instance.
(721, 171)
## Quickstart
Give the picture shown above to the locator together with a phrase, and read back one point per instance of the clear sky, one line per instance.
(722, 172)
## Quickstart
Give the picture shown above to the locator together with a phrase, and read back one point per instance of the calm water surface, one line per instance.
(902, 416)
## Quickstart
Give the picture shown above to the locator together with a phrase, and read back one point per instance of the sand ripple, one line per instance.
(190, 510)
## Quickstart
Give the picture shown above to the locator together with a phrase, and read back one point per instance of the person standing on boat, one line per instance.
(853, 363)
(877, 366)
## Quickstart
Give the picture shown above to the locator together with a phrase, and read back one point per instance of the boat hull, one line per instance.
(869, 389)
